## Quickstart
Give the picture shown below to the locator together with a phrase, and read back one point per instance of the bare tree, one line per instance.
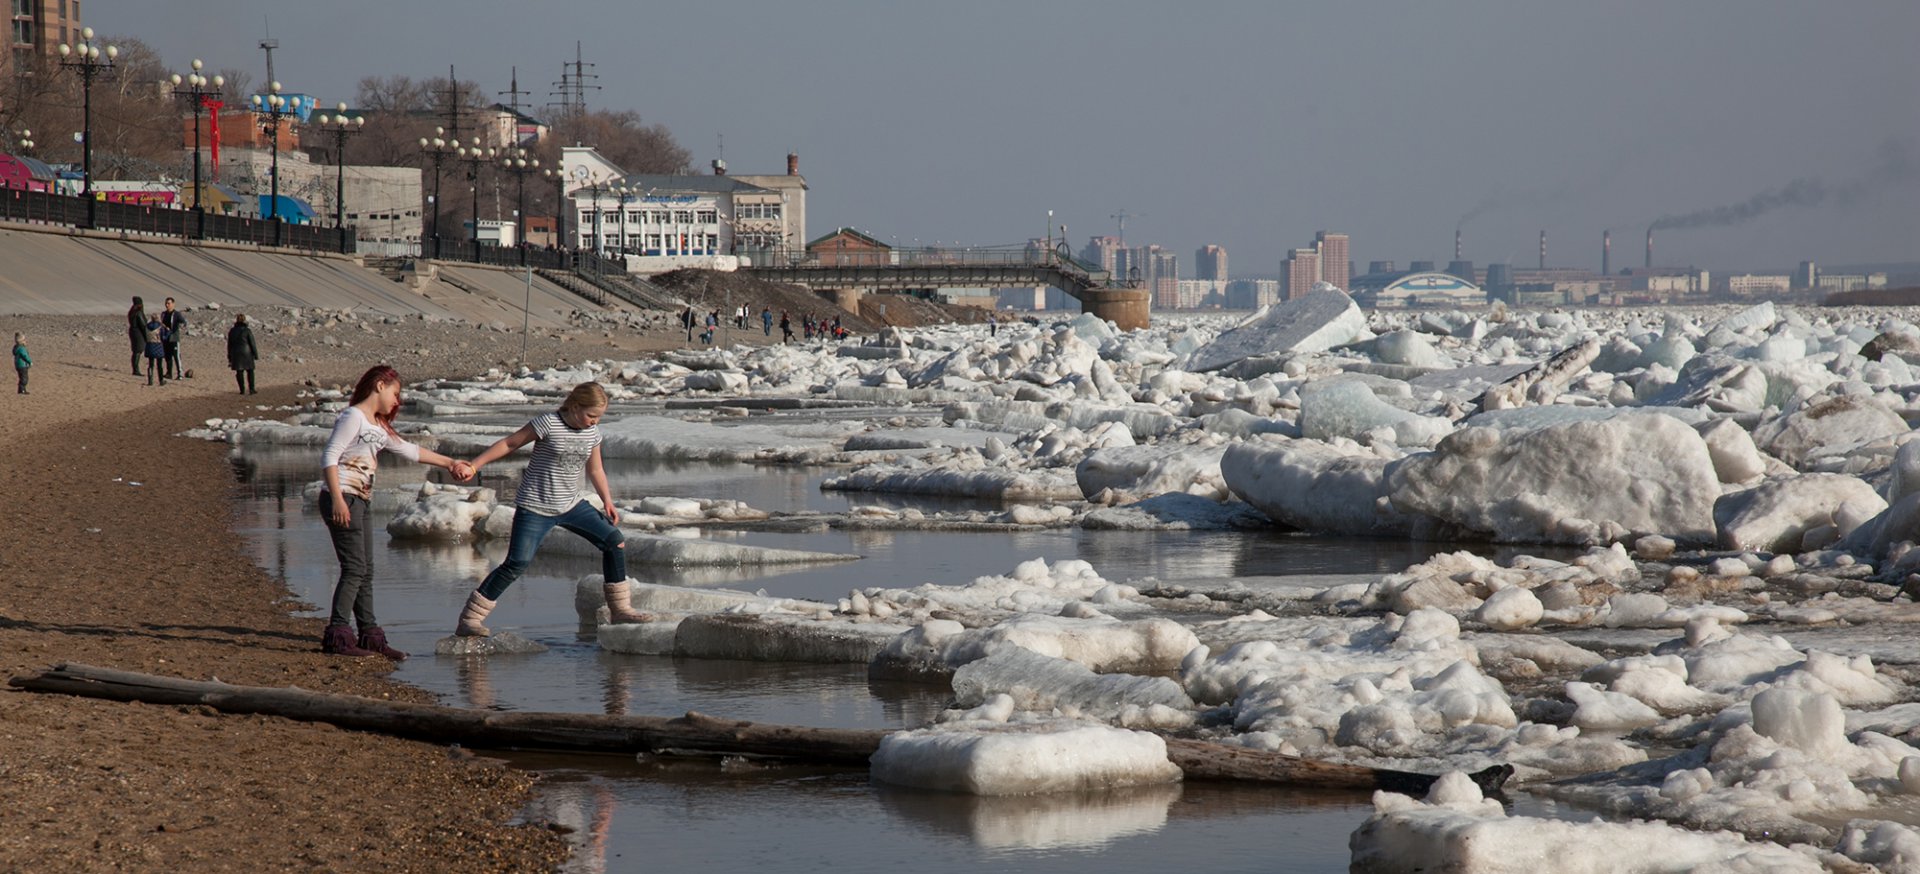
(626, 140)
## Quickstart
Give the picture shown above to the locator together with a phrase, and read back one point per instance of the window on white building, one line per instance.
(708, 217)
(683, 216)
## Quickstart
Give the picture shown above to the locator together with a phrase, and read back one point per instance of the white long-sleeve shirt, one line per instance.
(355, 448)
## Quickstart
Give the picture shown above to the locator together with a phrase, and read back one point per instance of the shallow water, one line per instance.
(627, 813)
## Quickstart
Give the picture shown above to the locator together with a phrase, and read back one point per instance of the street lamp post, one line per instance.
(520, 165)
(341, 127)
(476, 158)
(275, 108)
(560, 207)
(437, 150)
(83, 59)
(195, 94)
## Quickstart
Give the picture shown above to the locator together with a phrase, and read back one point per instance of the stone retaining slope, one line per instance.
(95, 274)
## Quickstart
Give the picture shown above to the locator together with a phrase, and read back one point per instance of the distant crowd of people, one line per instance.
(810, 327)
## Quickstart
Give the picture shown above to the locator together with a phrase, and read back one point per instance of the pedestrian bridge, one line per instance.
(853, 273)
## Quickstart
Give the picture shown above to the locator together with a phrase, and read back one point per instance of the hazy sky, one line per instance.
(1766, 132)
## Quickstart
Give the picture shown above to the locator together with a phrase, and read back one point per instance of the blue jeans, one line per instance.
(529, 528)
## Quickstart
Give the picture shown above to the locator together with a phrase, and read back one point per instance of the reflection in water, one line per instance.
(699, 814)
(1064, 820)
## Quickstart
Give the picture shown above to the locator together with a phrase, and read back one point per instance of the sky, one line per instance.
(1757, 134)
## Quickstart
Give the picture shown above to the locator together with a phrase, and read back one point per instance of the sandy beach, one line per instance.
(120, 551)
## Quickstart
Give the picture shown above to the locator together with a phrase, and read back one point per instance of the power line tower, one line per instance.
(513, 92)
(1122, 217)
(452, 106)
(574, 85)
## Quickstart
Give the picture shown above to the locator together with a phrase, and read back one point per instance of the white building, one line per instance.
(1759, 283)
(681, 220)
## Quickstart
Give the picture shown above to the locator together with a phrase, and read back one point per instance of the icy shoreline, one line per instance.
(1741, 478)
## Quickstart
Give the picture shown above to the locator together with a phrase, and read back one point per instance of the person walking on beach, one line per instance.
(993, 325)
(786, 327)
(566, 453)
(153, 336)
(21, 360)
(766, 321)
(241, 354)
(175, 322)
(137, 331)
(349, 462)
(687, 318)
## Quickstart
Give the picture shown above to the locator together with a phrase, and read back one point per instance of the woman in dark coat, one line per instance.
(241, 353)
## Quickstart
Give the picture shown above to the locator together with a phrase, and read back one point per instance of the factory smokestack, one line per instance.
(1543, 250)
(1606, 253)
(1649, 248)
(1456, 244)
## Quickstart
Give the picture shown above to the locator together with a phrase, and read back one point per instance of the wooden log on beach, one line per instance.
(692, 734)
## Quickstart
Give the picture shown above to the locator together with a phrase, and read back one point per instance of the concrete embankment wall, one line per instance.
(67, 273)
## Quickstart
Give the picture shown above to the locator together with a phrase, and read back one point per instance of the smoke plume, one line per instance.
(1893, 165)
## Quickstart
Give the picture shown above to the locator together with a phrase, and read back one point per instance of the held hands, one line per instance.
(461, 470)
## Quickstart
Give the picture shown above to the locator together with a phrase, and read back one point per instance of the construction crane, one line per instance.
(1122, 217)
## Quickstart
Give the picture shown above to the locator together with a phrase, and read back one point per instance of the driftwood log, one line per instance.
(692, 734)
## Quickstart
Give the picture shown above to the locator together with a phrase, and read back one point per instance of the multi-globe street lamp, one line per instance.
(437, 149)
(341, 127)
(25, 140)
(199, 97)
(519, 162)
(275, 109)
(84, 59)
(475, 158)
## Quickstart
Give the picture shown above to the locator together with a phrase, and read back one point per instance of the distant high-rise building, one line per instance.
(1104, 252)
(35, 31)
(1210, 262)
(1380, 267)
(1334, 266)
(1160, 270)
(1420, 267)
(1298, 273)
(1806, 275)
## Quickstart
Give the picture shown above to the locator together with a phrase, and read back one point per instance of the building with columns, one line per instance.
(653, 215)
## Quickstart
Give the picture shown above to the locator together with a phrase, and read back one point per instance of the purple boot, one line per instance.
(373, 639)
(339, 641)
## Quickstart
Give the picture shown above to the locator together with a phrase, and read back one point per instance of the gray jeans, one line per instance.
(354, 547)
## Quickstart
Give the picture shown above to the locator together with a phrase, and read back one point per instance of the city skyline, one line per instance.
(1754, 140)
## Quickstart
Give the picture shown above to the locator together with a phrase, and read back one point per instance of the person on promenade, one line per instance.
(348, 463)
(175, 322)
(766, 321)
(566, 453)
(153, 336)
(241, 354)
(137, 331)
(21, 360)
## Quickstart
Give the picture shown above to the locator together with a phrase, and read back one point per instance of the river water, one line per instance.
(629, 814)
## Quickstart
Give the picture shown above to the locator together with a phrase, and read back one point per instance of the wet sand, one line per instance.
(119, 550)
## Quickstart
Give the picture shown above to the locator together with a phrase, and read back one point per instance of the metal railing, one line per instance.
(41, 207)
